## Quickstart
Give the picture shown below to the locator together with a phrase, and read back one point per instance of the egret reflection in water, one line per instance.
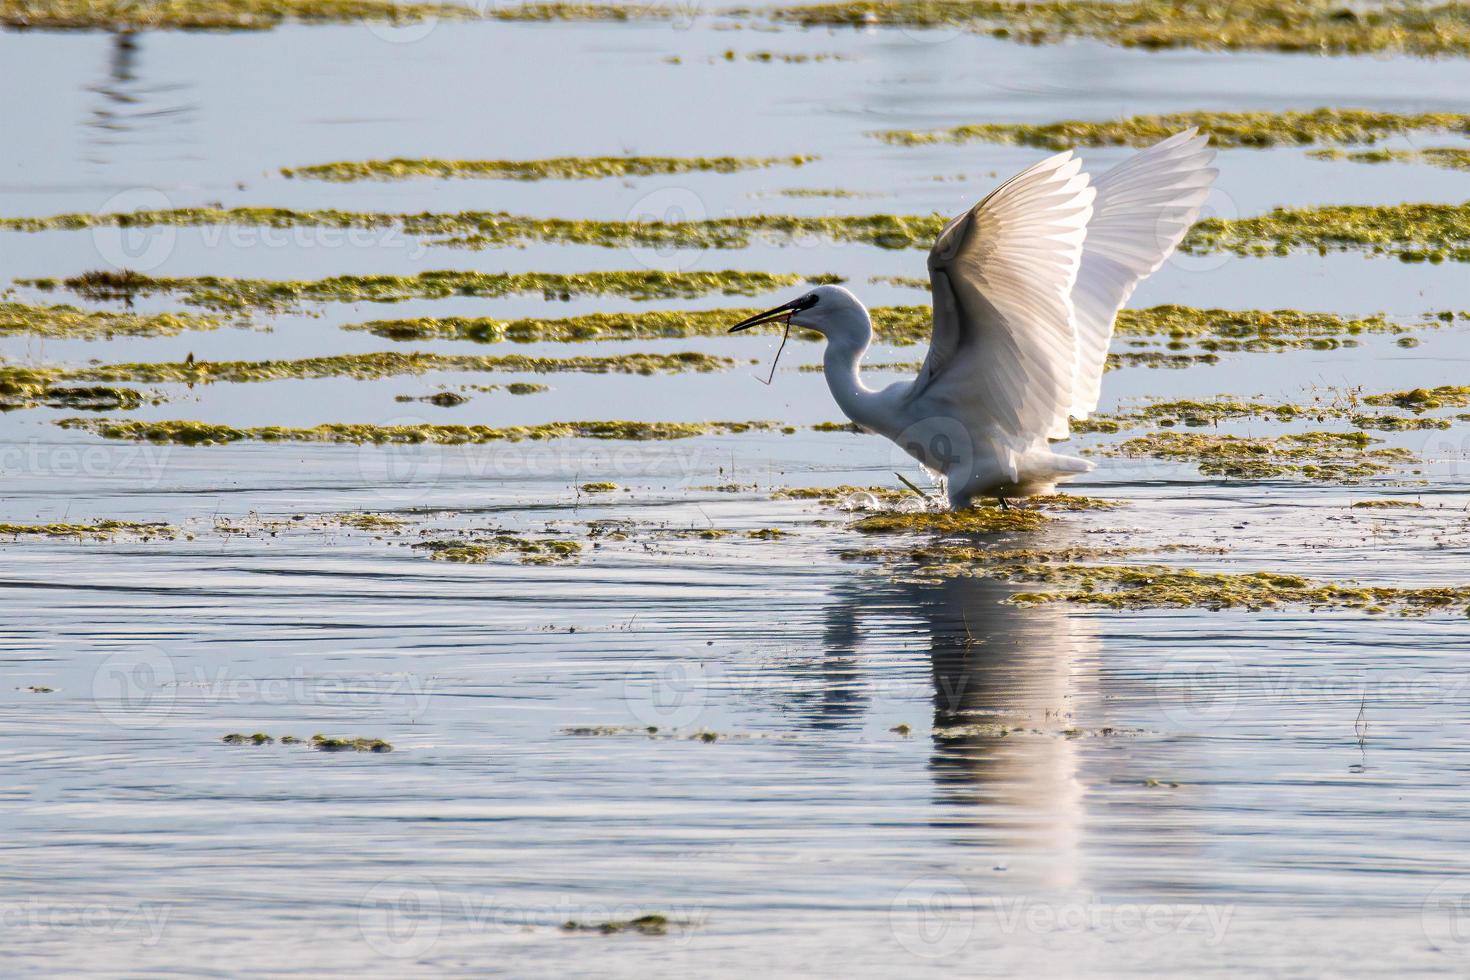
(994, 667)
(132, 111)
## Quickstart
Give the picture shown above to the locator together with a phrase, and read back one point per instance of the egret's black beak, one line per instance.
(784, 310)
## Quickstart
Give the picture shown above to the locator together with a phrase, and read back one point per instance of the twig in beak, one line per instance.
(784, 337)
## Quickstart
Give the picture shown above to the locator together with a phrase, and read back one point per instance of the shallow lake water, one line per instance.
(853, 772)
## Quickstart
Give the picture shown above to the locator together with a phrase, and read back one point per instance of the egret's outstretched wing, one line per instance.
(1005, 348)
(1144, 206)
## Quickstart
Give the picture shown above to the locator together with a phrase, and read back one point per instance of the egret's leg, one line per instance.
(1004, 503)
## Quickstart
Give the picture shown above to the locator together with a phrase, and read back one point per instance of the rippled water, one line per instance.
(1077, 792)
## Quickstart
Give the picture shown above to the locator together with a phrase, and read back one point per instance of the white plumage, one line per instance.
(1026, 285)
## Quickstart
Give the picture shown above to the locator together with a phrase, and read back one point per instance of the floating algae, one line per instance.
(327, 743)
(784, 57)
(1072, 574)
(362, 366)
(601, 486)
(214, 15)
(239, 294)
(322, 743)
(1313, 26)
(1321, 456)
(1156, 359)
(891, 495)
(72, 323)
(645, 925)
(973, 520)
(1211, 330)
(370, 522)
(189, 432)
(892, 324)
(18, 394)
(1447, 157)
(834, 192)
(1423, 399)
(1412, 232)
(1164, 587)
(443, 399)
(498, 229)
(1386, 503)
(556, 168)
(1252, 129)
(1398, 423)
(831, 495)
(1258, 330)
(532, 551)
(1197, 413)
(97, 530)
(238, 738)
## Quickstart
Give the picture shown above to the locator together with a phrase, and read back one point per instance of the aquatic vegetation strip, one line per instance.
(72, 323)
(1410, 231)
(322, 743)
(86, 398)
(1197, 413)
(189, 432)
(1225, 129)
(1164, 587)
(498, 229)
(374, 365)
(215, 15)
(1413, 232)
(1423, 399)
(1311, 26)
(1155, 586)
(1328, 457)
(1218, 330)
(222, 293)
(1212, 331)
(531, 551)
(894, 324)
(1446, 157)
(555, 168)
(96, 530)
(975, 520)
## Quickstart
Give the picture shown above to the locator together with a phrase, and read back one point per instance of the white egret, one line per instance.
(1025, 287)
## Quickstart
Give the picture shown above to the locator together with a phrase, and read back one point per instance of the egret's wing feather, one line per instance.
(1003, 356)
(1144, 206)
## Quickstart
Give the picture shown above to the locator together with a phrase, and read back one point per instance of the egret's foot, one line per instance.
(1004, 503)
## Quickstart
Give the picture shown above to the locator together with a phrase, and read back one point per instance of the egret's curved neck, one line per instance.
(840, 364)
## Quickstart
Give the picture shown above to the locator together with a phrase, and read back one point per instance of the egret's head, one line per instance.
(831, 311)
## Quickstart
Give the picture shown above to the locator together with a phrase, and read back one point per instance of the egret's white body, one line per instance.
(1025, 285)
